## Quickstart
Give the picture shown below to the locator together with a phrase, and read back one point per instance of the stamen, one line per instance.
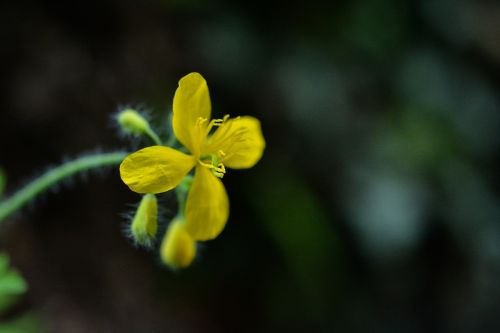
(219, 171)
(200, 121)
(206, 165)
(225, 139)
(217, 168)
(221, 135)
(199, 129)
(221, 168)
(229, 156)
(217, 123)
(218, 174)
(239, 136)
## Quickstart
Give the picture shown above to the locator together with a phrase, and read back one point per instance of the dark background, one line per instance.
(375, 207)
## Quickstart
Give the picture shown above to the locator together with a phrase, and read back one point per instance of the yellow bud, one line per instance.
(178, 248)
(133, 122)
(145, 222)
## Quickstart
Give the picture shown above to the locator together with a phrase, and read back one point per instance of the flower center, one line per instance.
(226, 137)
(222, 141)
(213, 162)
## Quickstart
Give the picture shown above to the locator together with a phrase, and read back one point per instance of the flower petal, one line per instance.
(155, 169)
(241, 140)
(191, 102)
(207, 206)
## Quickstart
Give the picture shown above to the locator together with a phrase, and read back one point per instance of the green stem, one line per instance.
(50, 178)
(181, 192)
(153, 136)
(171, 140)
(181, 200)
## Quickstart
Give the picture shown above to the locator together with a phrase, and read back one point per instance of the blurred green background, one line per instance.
(375, 208)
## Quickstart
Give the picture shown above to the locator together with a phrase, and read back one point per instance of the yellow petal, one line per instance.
(241, 140)
(178, 248)
(207, 206)
(155, 169)
(191, 102)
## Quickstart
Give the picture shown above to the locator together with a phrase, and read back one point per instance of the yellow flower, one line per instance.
(237, 143)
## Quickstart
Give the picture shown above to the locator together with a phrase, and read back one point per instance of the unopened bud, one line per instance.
(145, 222)
(178, 248)
(132, 122)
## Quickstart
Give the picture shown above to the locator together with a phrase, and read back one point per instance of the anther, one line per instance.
(217, 168)
(200, 121)
(217, 123)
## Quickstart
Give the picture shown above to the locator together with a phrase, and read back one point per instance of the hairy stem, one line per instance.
(153, 136)
(181, 192)
(52, 177)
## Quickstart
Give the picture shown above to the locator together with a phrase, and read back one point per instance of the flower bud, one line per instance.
(145, 222)
(132, 122)
(178, 247)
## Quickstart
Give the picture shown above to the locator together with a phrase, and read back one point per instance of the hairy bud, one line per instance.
(132, 122)
(145, 222)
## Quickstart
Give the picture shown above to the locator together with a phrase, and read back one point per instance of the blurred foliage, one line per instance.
(3, 181)
(416, 140)
(24, 324)
(294, 217)
(377, 29)
(12, 286)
